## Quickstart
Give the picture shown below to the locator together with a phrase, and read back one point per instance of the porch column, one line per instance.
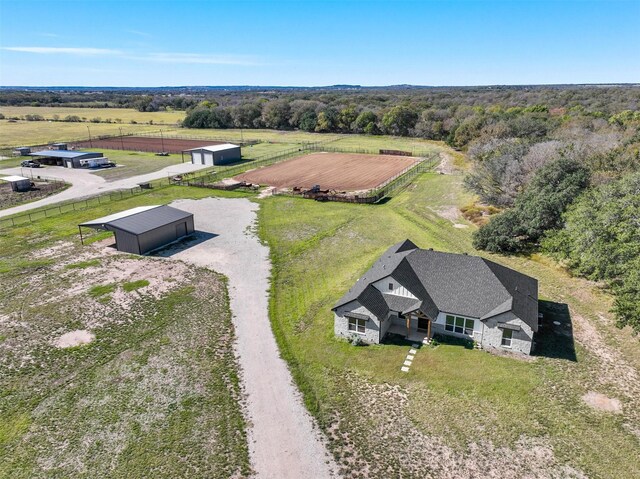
(429, 328)
(408, 325)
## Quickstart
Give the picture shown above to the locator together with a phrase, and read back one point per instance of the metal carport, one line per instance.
(145, 228)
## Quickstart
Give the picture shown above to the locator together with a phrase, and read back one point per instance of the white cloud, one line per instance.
(64, 51)
(197, 58)
(139, 33)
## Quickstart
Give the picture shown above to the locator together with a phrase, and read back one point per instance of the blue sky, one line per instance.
(307, 43)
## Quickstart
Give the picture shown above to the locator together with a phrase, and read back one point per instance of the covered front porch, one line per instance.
(415, 326)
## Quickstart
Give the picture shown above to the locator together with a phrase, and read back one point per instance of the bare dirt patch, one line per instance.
(74, 338)
(334, 171)
(602, 403)
(146, 143)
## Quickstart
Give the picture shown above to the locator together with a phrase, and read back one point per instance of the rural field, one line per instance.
(569, 411)
(339, 171)
(142, 143)
(43, 132)
(41, 189)
(457, 409)
(111, 364)
(125, 115)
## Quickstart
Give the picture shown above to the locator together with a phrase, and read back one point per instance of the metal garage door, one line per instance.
(196, 158)
(208, 159)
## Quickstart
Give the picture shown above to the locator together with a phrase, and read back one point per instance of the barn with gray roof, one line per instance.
(145, 228)
(417, 293)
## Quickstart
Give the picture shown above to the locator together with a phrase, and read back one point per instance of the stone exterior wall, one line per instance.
(521, 341)
(486, 333)
(341, 323)
(489, 335)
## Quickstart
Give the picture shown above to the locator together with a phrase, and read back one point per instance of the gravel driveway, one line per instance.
(284, 442)
(84, 183)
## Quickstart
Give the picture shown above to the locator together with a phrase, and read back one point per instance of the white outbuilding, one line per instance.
(215, 154)
(18, 183)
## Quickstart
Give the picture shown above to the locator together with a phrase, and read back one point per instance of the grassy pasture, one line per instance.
(133, 163)
(453, 397)
(154, 394)
(44, 132)
(126, 115)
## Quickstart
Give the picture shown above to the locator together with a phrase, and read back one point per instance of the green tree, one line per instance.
(327, 120)
(276, 114)
(399, 120)
(366, 122)
(537, 209)
(346, 118)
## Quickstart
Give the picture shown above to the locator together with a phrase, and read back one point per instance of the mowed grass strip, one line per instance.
(455, 395)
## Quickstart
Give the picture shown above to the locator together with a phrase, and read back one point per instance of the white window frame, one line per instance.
(455, 326)
(506, 342)
(355, 324)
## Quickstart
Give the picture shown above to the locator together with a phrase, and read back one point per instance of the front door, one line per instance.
(423, 324)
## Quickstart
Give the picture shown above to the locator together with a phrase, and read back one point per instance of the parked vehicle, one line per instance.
(30, 164)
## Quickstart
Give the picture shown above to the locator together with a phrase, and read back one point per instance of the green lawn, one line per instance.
(452, 397)
(156, 391)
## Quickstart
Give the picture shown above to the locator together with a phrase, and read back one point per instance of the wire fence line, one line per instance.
(210, 176)
(392, 186)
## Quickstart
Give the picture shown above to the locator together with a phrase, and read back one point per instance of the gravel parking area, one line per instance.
(284, 442)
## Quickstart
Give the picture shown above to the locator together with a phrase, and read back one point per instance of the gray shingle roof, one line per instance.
(399, 303)
(451, 283)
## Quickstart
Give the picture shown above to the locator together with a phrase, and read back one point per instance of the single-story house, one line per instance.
(215, 154)
(145, 228)
(417, 293)
(66, 158)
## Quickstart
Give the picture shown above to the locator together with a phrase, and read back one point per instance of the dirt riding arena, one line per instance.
(332, 171)
(146, 143)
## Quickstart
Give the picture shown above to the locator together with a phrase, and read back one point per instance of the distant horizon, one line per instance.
(318, 87)
(453, 43)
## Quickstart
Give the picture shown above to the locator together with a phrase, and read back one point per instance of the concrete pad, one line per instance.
(412, 351)
(415, 345)
(410, 357)
(407, 363)
(404, 369)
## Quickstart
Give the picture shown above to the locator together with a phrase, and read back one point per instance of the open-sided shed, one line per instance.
(66, 158)
(145, 228)
(18, 183)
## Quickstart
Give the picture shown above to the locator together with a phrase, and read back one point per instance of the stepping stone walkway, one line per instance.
(409, 360)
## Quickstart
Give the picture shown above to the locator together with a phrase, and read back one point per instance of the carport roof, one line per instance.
(13, 179)
(60, 153)
(138, 220)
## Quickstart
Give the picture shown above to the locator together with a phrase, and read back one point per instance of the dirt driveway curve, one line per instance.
(85, 183)
(284, 442)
